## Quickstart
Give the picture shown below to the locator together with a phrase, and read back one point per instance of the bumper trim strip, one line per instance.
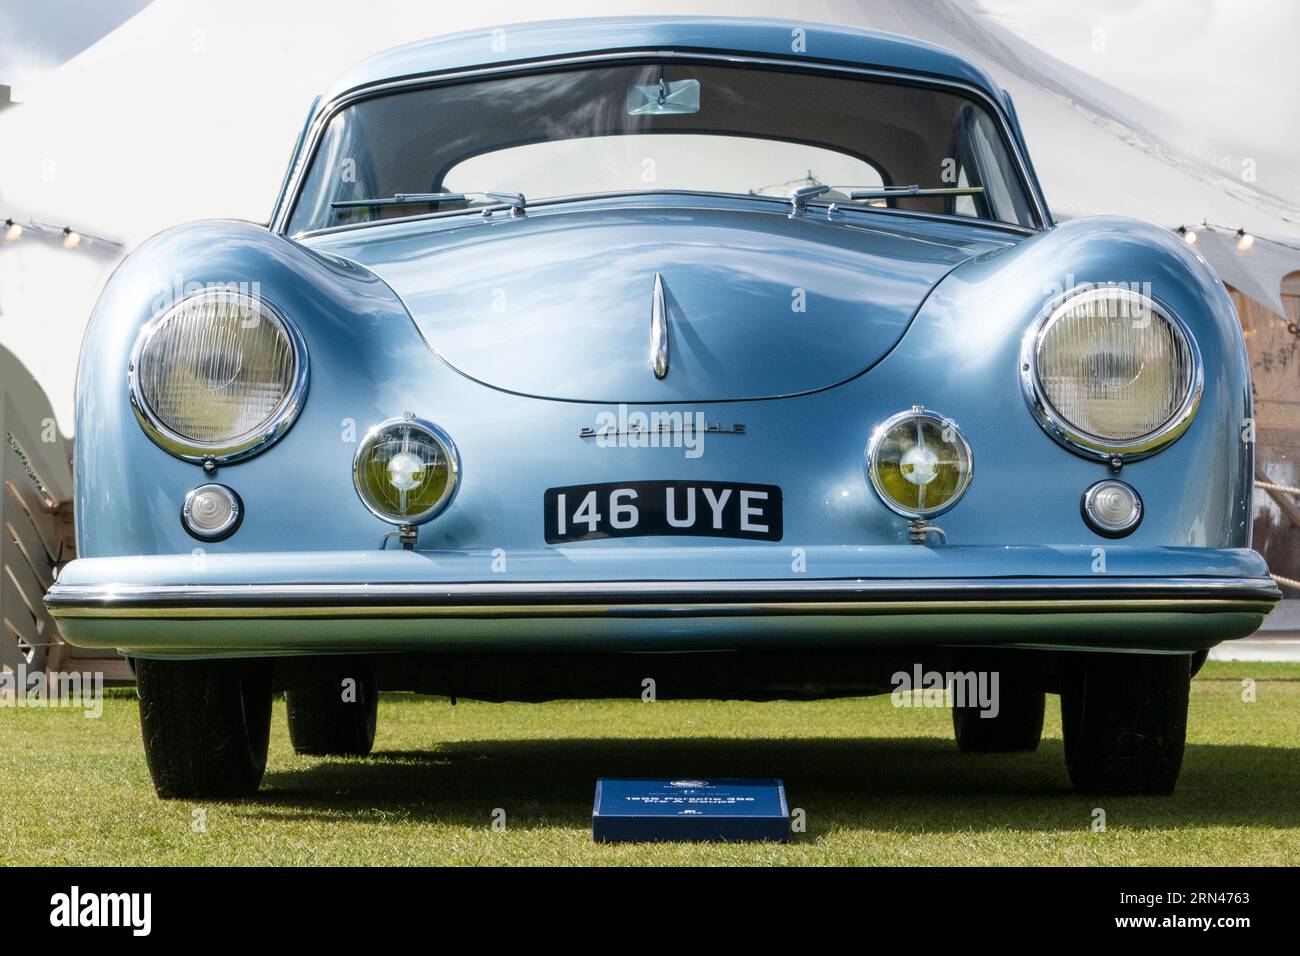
(663, 598)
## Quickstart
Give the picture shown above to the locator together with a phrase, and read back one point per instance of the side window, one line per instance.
(983, 162)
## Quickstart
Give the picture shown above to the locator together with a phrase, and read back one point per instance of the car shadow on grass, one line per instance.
(920, 785)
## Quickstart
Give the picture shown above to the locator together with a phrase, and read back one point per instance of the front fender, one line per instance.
(967, 337)
(365, 359)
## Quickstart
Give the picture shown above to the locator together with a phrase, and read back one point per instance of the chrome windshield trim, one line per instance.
(663, 598)
(284, 210)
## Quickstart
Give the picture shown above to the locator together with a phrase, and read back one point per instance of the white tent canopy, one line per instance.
(189, 110)
(1256, 270)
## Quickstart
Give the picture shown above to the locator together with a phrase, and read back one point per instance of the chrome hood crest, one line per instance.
(659, 330)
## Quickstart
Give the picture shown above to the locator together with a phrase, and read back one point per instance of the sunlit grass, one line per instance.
(879, 785)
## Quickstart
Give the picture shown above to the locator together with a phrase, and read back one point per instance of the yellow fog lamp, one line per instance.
(406, 471)
(919, 463)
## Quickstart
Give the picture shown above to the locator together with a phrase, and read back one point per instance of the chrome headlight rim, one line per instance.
(431, 430)
(242, 446)
(873, 454)
(1076, 439)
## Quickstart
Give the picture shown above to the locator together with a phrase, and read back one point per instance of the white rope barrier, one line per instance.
(1269, 486)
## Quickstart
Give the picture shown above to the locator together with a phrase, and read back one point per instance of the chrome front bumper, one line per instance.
(161, 607)
(663, 599)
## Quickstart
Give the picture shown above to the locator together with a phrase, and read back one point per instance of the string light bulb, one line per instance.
(12, 230)
(1244, 239)
(70, 239)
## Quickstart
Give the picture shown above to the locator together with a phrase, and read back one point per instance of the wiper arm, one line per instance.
(892, 192)
(799, 197)
(515, 201)
(398, 199)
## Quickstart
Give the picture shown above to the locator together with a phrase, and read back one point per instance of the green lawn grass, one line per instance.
(878, 784)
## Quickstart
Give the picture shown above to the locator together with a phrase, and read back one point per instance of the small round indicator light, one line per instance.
(212, 512)
(1112, 508)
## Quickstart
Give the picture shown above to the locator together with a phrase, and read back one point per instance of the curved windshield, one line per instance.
(661, 126)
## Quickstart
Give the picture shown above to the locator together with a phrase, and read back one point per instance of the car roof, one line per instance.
(552, 39)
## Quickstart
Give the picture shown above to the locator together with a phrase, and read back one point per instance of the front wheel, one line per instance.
(332, 708)
(1125, 721)
(1011, 719)
(206, 725)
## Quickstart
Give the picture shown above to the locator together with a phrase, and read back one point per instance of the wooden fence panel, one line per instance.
(36, 536)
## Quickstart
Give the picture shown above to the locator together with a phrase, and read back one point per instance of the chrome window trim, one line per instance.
(873, 447)
(242, 446)
(284, 211)
(1077, 440)
(434, 432)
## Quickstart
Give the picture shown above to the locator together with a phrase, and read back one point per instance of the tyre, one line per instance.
(1125, 721)
(205, 725)
(332, 708)
(1017, 722)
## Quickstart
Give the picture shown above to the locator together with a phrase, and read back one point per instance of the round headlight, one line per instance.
(919, 463)
(219, 375)
(406, 470)
(1109, 372)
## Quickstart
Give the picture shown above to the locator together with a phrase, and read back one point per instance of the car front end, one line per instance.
(707, 408)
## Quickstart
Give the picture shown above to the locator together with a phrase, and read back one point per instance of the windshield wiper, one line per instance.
(515, 201)
(889, 192)
(799, 197)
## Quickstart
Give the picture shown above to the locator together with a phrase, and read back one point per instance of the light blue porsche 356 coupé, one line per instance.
(739, 357)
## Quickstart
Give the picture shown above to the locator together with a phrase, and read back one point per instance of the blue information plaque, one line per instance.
(631, 811)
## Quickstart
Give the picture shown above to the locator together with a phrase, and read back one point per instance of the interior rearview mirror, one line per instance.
(663, 98)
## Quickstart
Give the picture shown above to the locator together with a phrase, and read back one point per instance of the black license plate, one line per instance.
(625, 509)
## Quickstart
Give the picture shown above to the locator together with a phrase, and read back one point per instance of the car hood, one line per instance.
(756, 304)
